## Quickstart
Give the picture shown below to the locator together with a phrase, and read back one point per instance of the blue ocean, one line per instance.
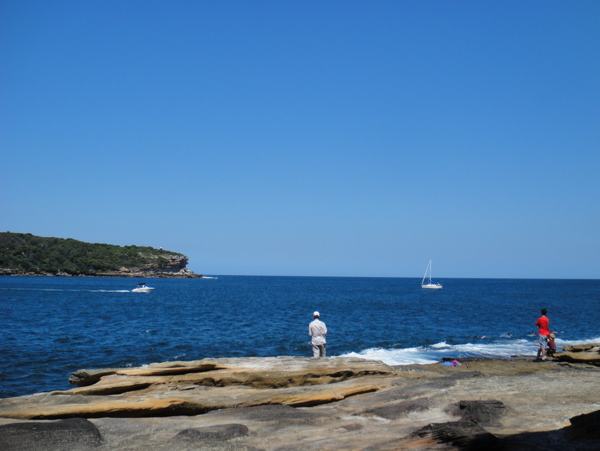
(52, 326)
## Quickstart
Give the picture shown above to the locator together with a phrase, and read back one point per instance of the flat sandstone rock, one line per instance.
(285, 403)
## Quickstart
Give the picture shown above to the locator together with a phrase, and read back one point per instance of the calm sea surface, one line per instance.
(51, 326)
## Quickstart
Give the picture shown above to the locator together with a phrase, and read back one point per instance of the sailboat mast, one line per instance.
(430, 270)
(427, 270)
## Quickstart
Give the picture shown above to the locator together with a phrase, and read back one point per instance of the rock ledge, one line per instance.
(285, 403)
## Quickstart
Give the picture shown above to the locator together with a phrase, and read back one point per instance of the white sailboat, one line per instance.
(430, 284)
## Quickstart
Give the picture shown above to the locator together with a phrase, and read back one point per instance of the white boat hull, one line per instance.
(432, 286)
(142, 290)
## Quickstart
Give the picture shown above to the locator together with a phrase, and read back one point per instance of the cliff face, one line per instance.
(30, 255)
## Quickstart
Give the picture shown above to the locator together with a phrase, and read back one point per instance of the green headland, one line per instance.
(29, 255)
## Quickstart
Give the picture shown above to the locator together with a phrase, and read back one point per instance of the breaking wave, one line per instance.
(435, 353)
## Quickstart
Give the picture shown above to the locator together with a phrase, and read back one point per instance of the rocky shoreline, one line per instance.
(296, 403)
(183, 273)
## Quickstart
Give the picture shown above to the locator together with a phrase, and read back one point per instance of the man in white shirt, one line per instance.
(318, 331)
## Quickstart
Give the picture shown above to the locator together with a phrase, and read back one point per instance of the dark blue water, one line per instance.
(50, 326)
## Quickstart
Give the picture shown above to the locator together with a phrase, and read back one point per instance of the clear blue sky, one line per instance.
(338, 138)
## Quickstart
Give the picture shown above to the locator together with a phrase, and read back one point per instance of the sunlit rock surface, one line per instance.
(295, 403)
(582, 353)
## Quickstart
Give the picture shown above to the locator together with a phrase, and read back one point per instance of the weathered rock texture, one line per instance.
(582, 353)
(293, 403)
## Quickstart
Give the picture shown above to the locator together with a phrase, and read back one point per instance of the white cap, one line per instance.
(316, 314)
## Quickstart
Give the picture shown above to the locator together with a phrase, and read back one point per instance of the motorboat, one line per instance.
(429, 284)
(142, 288)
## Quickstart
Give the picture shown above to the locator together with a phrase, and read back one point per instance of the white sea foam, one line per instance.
(439, 351)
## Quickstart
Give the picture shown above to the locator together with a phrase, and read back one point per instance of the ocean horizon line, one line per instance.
(400, 277)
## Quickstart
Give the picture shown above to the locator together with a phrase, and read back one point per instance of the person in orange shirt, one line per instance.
(543, 324)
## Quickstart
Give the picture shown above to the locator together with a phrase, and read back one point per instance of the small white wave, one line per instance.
(560, 342)
(441, 345)
(393, 356)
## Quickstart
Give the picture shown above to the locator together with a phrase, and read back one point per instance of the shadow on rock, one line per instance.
(73, 433)
(463, 435)
(484, 412)
(586, 426)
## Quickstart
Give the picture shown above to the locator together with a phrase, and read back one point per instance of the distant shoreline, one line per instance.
(187, 274)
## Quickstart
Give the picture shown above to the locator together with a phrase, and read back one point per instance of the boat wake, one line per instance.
(69, 291)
